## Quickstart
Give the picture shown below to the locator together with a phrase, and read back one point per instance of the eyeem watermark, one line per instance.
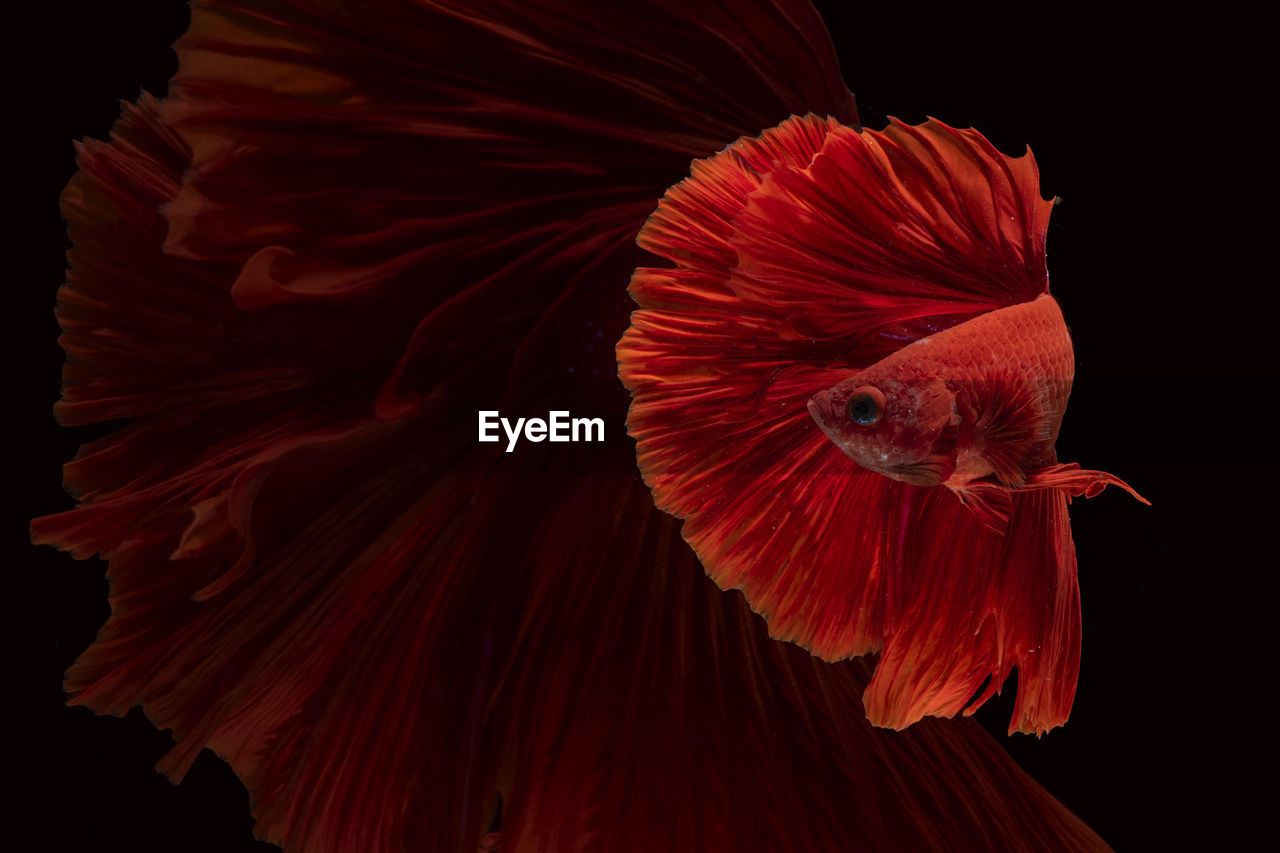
(559, 426)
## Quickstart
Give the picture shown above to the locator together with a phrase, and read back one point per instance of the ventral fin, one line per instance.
(991, 502)
(1077, 481)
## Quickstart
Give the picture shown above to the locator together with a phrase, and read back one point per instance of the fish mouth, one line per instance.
(820, 410)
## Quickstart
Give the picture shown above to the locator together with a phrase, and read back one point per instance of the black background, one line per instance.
(1142, 125)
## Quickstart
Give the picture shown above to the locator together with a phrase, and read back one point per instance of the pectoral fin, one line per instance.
(1015, 424)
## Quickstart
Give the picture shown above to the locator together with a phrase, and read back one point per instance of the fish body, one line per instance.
(976, 408)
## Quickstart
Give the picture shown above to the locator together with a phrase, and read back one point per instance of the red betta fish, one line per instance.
(892, 285)
(350, 226)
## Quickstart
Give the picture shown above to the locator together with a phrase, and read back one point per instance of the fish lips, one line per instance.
(824, 412)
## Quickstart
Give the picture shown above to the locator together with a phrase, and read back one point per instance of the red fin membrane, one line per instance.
(811, 250)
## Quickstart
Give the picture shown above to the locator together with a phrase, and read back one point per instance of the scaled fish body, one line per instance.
(975, 408)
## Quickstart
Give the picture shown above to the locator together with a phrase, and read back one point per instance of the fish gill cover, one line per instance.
(345, 224)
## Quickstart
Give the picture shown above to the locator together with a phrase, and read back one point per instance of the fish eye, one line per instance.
(865, 406)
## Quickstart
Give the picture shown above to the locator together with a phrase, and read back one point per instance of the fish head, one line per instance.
(899, 426)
